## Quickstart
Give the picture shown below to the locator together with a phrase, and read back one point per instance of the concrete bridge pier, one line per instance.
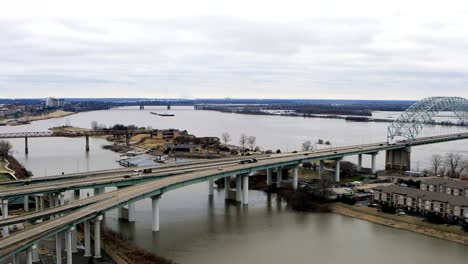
(87, 238)
(26, 147)
(68, 245)
(398, 159)
(279, 177)
(359, 164)
(131, 212)
(58, 248)
(239, 188)
(321, 168)
(155, 213)
(87, 143)
(374, 160)
(29, 255)
(35, 253)
(97, 237)
(227, 187)
(211, 187)
(6, 230)
(268, 173)
(26, 203)
(295, 177)
(127, 139)
(36, 202)
(337, 169)
(245, 189)
(16, 259)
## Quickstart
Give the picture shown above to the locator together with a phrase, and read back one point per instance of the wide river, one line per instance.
(195, 229)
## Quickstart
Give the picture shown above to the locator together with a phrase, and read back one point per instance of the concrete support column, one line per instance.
(268, 173)
(337, 169)
(36, 202)
(211, 187)
(359, 164)
(6, 231)
(51, 200)
(279, 177)
(87, 143)
(245, 189)
(68, 245)
(29, 255)
(374, 168)
(35, 253)
(74, 240)
(58, 248)
(295, 177)
(131, 212)
(97, 237)
(26, 147)
(16, 259)
(155, 214)
(321, 168)
(227, 186)
(87, 238)
(127, 139)
(26, 203)
(239, 188)
(41, 201)
(120, 214)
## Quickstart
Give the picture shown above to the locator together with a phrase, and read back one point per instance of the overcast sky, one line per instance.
(395, 49)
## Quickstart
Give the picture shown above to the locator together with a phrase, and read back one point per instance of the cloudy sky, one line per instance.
(363, 49)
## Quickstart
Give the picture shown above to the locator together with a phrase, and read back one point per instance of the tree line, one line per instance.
(451, 164)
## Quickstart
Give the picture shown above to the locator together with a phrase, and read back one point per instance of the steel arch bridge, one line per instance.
(411, 122)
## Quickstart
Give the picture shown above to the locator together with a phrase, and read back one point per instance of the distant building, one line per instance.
(52, 102)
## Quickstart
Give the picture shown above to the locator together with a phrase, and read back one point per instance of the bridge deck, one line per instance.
(23, 239)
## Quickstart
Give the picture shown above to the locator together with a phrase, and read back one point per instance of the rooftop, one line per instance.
(425, 195)
(451, 183)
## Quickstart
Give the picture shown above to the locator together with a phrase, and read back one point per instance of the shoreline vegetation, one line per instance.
(353, 117)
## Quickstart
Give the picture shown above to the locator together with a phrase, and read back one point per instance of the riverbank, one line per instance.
(11, 169)
(123, 252)
(24, 120)
(404, 222)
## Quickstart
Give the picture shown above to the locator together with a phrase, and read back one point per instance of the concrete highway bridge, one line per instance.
(59, 218)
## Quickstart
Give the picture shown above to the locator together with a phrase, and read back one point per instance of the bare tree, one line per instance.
(324, 188)
(307, 145)
(454, 164)
(5, 148)
(94, 125)
(243, 140)
(437, 162)
(252, 141)
(226, 137)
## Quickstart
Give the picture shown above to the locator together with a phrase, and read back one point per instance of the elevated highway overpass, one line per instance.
(154, 185)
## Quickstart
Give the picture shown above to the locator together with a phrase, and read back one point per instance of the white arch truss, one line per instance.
(411, 122)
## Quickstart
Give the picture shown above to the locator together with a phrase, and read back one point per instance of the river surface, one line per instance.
(195, 229)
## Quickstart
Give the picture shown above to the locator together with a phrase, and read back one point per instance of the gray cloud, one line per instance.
(214, 56)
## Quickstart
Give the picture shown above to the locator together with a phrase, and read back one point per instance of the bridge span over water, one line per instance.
(61, 217)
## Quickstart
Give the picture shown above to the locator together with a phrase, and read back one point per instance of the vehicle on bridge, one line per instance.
(245, 161)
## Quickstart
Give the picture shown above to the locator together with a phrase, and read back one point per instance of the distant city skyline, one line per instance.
(363, 49)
